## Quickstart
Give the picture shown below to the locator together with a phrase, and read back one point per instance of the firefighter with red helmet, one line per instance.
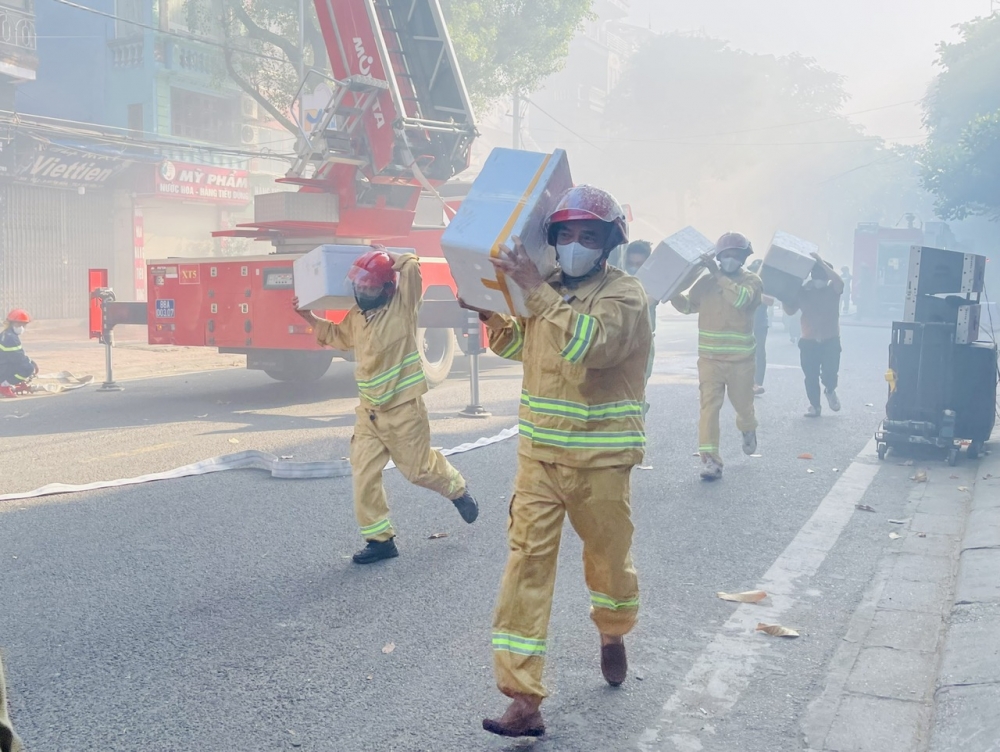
(16, 368)
(392, 420)
(584, 349)
(725, 300)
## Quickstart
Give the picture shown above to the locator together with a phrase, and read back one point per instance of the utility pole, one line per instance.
(517, 120)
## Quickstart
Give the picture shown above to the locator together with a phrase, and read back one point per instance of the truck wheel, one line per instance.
(437, 353)
(300, 367)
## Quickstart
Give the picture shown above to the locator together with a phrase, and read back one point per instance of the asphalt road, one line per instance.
(222, 612)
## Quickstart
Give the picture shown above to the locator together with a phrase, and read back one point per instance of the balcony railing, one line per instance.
(128, 52)
(17, 29)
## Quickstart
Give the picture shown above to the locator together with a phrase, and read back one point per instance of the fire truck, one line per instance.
(881, 263)
(397, 126)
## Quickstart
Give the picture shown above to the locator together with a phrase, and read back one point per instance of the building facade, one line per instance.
(128, 144)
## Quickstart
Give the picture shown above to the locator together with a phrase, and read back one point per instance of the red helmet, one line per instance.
(18, 316)
(734, 241)
(588, 202)
(374, 270)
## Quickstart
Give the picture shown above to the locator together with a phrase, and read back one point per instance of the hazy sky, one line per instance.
(885, 48)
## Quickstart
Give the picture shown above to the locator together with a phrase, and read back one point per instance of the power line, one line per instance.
(72, 129)
(178, 34)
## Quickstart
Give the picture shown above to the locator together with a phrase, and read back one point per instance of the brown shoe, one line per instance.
(614, 664)
(522, 718)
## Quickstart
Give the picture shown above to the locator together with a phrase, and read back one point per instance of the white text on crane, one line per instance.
(364, 68)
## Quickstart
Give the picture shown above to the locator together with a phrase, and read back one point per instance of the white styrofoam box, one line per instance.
(787, 265)
(513, 194)
(671, 261)
(320, 277)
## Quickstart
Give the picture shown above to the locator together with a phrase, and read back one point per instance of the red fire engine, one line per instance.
(881, 263)
(397, 126)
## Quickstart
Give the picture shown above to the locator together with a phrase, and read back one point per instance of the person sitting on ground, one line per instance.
(16, 368)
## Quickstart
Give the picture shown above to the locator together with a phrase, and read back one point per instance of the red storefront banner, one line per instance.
(138, 247)
(213, 185)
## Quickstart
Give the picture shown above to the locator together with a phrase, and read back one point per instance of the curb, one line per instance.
(968, 686)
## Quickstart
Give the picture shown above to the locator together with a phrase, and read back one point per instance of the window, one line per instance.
(135, 120)
(203, 117)
(128, 10)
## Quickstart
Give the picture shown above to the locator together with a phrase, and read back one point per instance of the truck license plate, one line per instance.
(164, 309)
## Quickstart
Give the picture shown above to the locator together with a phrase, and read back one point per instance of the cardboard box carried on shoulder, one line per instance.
(787, 265)
(513, 194)
(320, 276)
(668, 266)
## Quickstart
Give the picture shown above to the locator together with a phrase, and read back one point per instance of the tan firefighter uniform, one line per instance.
(726, 346)
(8, 739)
(584, 352)
(391, 419)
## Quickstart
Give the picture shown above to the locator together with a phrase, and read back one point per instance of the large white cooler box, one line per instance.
(787, 265)
(670, 263)
(320, 276)
(513, 194)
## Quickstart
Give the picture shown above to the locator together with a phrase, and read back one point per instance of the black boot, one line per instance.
(467, 506)
(376, 551)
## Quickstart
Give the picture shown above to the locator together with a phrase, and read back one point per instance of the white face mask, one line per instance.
(729, 264)
(576, 259)
(18, 329)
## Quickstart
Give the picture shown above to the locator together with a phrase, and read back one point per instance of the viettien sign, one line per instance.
(216, 185)
(70, 168)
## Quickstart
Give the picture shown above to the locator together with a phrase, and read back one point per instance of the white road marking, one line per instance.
(724, 669)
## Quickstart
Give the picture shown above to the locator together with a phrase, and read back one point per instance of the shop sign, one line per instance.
(214, 185)
(70, 168)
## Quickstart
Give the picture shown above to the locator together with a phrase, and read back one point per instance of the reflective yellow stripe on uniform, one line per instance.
(512, 643)
(375, 529)
(745, 296)
(582, 439)
(583, 336)
(16, 348)
(367, 388)
(580, 411)
(516, 343)
(725, 342)
(600, 600)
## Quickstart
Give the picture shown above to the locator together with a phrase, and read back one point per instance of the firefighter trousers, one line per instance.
(8, 739)
(715, 378)
(402, 434)
(597, 502)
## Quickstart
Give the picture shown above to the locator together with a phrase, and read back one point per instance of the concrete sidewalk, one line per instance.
(967, 694)
(64, 345)
(919, 668)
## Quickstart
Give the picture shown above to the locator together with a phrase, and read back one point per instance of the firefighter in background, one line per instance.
(16, 368)
(391, 419)
(845, 275)
(725, 300)
(636, 254)
(761, 325)
(584, 350)
(819, 347)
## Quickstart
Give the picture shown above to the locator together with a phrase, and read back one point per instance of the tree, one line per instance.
(503, 46)
(962, 115)
(733, 140)
(510, 46)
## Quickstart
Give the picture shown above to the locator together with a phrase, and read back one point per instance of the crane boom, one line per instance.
(398, 118)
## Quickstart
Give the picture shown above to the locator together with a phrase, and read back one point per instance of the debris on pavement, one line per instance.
(776, 630)
(435, 536)
(864, 507)
(805, 456)
(389, 647)
(894, 535)
(920, 477)
(748, 596)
